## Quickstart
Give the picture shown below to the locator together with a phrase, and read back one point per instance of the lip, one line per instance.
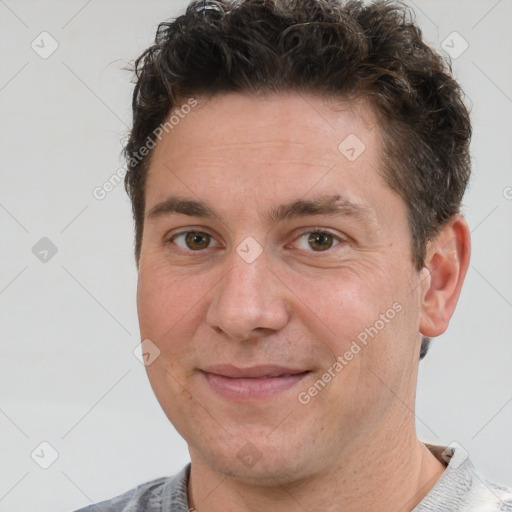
(252, 372)
(255, 382)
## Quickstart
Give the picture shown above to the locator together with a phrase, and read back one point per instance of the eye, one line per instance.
(318, 240)
(192, 240)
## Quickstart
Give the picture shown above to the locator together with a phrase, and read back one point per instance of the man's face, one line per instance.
(251, 286)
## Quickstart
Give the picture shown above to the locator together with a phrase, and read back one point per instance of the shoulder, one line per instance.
(154, 496)
(138, 498)
(481, 494)
(488, 496)
(462, 487)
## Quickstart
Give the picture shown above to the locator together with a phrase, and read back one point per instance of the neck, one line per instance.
(389, 475)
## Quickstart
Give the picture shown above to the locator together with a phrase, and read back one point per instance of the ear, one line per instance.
(446, 264)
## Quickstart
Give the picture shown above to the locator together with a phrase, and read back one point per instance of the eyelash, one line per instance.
(310, 232)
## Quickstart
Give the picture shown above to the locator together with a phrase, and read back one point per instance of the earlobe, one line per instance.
(446, 264)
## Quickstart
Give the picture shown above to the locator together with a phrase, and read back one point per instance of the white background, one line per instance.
(68, 375)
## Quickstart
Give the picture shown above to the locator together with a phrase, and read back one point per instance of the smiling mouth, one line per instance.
(252, 383)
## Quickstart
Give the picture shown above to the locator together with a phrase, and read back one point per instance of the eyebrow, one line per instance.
(320, 205)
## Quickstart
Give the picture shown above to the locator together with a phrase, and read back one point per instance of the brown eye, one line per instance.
(320, 241)
(192, 240)
(196, 240)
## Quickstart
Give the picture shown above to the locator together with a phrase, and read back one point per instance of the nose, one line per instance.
(249, 299)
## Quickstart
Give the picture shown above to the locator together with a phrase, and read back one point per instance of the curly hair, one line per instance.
(336, 48)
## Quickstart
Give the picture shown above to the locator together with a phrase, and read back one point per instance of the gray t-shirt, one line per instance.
(461, 488)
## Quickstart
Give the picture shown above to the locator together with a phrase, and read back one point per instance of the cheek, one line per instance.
(165, 301)
(170, 386)
(344, 302)
(364, 319)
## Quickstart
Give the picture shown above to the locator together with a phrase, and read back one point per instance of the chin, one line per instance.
(258, 462)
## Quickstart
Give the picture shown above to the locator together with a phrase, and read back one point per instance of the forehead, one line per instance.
(280, 143)
(312, 123)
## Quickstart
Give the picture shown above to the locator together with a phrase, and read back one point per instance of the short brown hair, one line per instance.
(338, 49)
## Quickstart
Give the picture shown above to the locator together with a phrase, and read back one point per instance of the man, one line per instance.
(296, 169)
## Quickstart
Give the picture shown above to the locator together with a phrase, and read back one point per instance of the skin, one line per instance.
(353, 447)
